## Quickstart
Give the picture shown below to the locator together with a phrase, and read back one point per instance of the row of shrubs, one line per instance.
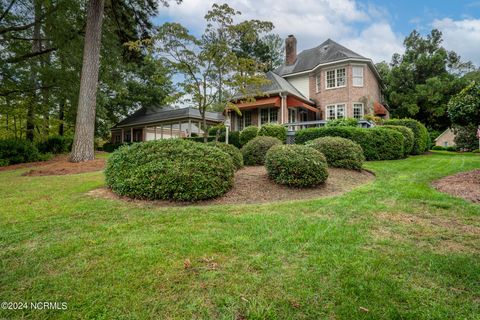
(451, 148)
(13, 151)
(395, 140)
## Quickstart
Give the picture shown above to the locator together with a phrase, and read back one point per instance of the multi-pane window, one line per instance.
(335, 111)
(263, 115)
(273, 115)
(341, 75)
(340, 111)
(336, 78)
(358, 110)
(357, 75)
(247, 117)
(268, 115)
(331, 112)
(245, 120)
(331, 79)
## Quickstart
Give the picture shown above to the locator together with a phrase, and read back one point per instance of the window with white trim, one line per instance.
(245, 120)
(268, 115)
(357, 76)
(358, 110)
(335, 111)
(335, 78)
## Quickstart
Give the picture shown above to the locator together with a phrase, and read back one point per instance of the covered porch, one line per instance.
(281, 109)
(163, 123)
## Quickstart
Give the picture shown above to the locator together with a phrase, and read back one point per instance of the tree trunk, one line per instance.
(83, 148)
(36, 47)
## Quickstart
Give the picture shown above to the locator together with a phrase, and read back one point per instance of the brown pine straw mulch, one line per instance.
(465, 185)
(252, 185)
(59, 165)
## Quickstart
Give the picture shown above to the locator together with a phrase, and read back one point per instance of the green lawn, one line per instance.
(394, 247)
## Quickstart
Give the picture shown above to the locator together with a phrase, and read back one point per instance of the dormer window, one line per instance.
(335, 78)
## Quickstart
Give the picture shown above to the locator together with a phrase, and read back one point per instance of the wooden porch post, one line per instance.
(123, 135)
(180, 129)
(144, 138)
(161, 131)
(131, 134)
(155, 133)
(189, 128)
(171, 131)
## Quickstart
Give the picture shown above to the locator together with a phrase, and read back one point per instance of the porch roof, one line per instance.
(164, 114)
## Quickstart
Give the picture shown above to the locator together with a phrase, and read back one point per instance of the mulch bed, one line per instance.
(252, 185)
(465, 185)
(59, 165)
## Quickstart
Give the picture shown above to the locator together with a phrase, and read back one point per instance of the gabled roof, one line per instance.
(276, 85)
(328, 51)
(155, 114)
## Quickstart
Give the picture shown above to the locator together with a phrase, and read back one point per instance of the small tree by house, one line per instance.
(209, 68)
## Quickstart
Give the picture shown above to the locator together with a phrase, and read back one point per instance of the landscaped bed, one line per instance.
(465, 185)
(252, 185)
(59, 165)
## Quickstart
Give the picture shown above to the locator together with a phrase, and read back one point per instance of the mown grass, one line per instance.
(392, 249)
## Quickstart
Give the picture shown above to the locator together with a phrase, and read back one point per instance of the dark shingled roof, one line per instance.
(329, 51)
(276, 85)
(146, 115)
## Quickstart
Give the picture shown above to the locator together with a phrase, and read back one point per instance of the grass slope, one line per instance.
(394, 247)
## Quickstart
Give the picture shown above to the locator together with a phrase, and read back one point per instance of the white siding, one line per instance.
(302, 84)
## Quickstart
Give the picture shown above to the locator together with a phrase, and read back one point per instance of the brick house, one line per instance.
(322, 83)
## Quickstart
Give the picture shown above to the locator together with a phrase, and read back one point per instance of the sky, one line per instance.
(375, 29)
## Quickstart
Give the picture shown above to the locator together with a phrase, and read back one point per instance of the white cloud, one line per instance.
(461, 36)
(359, 27)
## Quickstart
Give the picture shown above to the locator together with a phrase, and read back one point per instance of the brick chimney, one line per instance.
(290, 50)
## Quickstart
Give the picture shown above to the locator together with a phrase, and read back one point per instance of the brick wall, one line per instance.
(369, 93)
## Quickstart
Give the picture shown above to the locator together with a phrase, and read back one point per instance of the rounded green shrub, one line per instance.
(339, 152)
(232, 151)
(13, 151)
(273, 130)
(377, 143)
(438, 148)
(255, 150)
(248, 134)
(296, 165)
(173, 169)
(56, 144)
(408, 137)
(476, 151)
(421, 136)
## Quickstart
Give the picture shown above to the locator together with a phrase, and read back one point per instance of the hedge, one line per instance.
(55, 144)
(232, 151)
(273, 130)
(296, 165)
(248, 134)
(255, 150)
(408, 137)
(172, 169)
(13, 151)
(339, 152)
(421, 137)
(377, 143)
